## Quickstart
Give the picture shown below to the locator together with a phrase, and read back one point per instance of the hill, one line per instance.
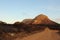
(40, 25)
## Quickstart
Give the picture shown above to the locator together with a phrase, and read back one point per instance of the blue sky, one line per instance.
(17, 10)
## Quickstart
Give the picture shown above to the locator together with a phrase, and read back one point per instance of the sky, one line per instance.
(17, 10)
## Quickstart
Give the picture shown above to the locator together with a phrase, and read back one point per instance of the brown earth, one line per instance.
(45, 35)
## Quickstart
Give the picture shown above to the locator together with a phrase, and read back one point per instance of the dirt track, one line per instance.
(45, 35)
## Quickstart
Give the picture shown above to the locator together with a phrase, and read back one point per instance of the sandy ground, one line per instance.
(45, 35)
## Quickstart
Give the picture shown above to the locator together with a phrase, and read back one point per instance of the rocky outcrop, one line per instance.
(27, 21)
(42, 19)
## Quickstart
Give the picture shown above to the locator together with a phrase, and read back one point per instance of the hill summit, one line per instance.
(42, 19)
